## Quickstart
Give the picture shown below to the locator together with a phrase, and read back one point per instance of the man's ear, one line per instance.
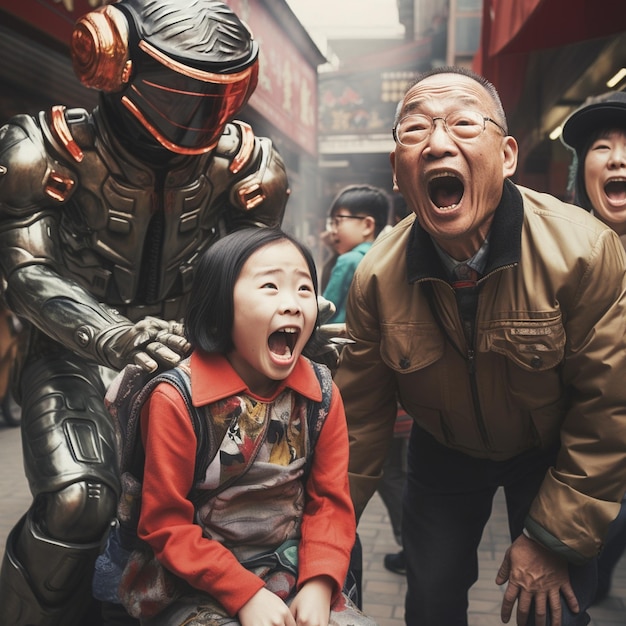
(509, 164)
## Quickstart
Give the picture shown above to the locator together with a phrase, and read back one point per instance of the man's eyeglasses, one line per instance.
(332, 223)
(463, 125)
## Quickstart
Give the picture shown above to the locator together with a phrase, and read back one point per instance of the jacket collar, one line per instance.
(505, 240)
(213, 378)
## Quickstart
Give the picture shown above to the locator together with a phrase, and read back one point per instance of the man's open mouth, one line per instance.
(283, 341)
(445, 191)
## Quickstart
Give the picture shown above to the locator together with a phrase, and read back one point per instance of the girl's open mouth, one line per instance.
(282, 342)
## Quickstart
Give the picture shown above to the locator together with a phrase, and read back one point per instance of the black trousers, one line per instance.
(448, 501)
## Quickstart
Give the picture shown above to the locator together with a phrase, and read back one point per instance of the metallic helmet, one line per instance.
(182, 68)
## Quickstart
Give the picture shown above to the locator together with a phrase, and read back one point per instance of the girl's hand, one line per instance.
(265, 608)
(311, 606)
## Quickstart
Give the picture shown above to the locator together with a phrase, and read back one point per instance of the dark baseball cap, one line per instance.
(604, 111)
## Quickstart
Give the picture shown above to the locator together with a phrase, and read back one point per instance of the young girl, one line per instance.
(273, 546)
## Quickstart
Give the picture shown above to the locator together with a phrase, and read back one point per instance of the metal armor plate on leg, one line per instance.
(70, 462)
(40, 575)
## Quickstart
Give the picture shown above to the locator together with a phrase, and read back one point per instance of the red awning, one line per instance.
(511, 31)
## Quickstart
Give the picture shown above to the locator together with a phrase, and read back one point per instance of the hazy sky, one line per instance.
(348, 18)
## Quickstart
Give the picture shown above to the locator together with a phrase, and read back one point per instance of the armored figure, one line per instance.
(102, 218)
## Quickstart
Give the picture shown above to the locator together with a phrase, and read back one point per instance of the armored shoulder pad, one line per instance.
(257, 174)
(236, 144)
(30, 175)
(263, 187)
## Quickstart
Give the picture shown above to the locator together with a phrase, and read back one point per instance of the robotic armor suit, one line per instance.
(103, 216)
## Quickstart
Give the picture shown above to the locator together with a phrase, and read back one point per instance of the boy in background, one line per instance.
(357, 215)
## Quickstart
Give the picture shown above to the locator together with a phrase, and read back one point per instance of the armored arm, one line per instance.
(69, 314)
(38, 286)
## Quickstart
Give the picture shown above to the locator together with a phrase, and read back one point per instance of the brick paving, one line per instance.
(383, 591)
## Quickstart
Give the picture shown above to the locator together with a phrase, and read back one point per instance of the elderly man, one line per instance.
(497, 315)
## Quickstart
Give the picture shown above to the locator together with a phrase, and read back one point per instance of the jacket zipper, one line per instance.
(471, 369)
(470, 359)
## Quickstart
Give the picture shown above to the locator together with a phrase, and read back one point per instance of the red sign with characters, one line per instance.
(287, 92)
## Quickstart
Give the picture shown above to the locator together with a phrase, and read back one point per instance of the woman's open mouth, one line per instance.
(615, 190)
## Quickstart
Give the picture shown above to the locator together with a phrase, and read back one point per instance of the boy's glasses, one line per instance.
(332, 223)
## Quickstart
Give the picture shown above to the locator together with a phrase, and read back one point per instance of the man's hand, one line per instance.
(534, 573)
(150, 343)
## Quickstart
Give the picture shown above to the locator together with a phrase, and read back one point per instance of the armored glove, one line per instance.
(328, 339)
(150, 343)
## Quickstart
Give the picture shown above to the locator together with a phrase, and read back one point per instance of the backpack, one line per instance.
(124, 399)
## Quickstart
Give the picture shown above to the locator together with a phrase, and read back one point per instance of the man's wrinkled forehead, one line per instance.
(445, 91)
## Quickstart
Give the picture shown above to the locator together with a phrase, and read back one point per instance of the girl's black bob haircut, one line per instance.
(210, 313)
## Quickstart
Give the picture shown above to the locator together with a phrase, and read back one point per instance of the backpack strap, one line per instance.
(318, 411)
(207, 442)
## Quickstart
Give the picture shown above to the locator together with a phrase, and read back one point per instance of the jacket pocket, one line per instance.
(406, 348)
(547, 422)
(535, 345)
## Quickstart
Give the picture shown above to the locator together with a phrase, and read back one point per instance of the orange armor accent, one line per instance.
(63, 134)
(100, 49)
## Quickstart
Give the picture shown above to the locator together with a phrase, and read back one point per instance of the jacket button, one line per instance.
(536, 362)
(404, 363)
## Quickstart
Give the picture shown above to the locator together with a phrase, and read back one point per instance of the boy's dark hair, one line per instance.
(210, 313)
(363, 200)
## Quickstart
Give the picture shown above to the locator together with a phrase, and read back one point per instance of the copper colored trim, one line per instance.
(182, 92)
(58, 187)
(185, 70)
(127, 71)
(245, 150)
(63, 134)
(251, 196)
(166, 143)
(100, 49)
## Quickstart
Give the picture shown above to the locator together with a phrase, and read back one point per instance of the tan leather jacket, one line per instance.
(549, 359)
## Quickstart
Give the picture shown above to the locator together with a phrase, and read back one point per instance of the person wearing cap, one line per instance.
(104, 215)
(497, 317)
(596, 132)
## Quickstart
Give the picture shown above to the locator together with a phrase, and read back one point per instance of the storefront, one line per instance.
(546, 57)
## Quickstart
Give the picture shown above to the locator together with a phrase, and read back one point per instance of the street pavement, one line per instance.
(383, 591)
